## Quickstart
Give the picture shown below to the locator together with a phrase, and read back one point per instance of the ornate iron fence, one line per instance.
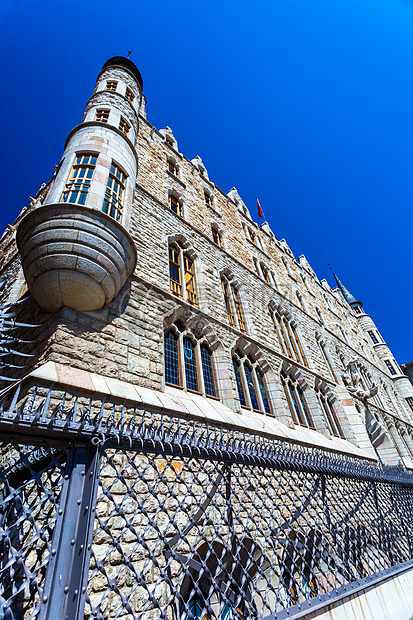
(111, 511)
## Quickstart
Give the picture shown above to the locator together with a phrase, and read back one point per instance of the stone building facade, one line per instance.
(150, 284)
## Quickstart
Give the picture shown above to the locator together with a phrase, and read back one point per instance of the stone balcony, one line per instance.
(74, 256)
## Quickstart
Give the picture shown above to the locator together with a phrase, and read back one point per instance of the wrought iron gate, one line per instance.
(109, 511)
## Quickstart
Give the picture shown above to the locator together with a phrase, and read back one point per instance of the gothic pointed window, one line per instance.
(172, 369)
(326, 357)
(330, 414)
(296, 401)
(265, 274)
(208, 371)
(182, 274)
(233, 305)
(288, 338)
(249, 379)
(175, 204)
(189, 361)
(191, 369)
(216, 236)
(78, 185)
(173, 167)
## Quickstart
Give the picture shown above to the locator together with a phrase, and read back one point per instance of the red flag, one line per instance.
(260, 213)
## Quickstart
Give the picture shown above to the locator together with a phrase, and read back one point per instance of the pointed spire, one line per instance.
(350, 299)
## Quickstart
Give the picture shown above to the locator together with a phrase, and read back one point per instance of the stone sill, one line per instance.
(176, 401)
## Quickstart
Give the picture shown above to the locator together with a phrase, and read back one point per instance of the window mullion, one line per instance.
(257, 389)
(280, 338)
(234, 313)
(245, 385)
(182, 364)
(182, 271)
(200, 370)
(290, 348)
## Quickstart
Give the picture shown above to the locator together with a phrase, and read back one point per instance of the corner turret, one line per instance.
(75, 248)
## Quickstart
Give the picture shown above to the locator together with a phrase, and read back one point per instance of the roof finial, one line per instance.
(129, 53)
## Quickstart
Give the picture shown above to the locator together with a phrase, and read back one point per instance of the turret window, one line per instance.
(296, 401)
(288, 338)
(115, 189)
(357, 310)
(129, 95)
(373, 337)
(330, 413)
(78, 185)
(124, 126)
(189, 362)
(102, 116)
(251, 387)
(233, 305)
(175, 204)
(111, 85)
(409, 401)
(390, 367)
(181, 270)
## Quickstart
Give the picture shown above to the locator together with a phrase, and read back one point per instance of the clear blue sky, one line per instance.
(307, 105)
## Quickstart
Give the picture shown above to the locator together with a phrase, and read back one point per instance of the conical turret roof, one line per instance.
(350, 299)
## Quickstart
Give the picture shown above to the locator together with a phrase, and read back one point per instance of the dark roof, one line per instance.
(350, 299)
(125, 62)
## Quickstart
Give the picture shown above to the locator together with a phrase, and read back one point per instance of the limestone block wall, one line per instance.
(125, 338)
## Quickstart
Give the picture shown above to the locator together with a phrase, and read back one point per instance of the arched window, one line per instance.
(330, 414)
(326, 357)
(265, 274)
(209, 201)
(296, 401)
(182, 274)
(175, 204)
(288, 338)
(300, 300)
(320, 316)
(233, 305)
(250, 382)
(173, 167)
(216, 236)
(189, 361)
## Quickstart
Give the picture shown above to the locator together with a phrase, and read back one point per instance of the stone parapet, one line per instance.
(74, 256)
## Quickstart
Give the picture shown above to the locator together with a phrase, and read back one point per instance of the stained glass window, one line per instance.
(196, 360)
(240, 385)
(208, 371)
(296, 401)
(251, 387)
(250, 383)
(263, 391)
(191, 372)
(172, 373)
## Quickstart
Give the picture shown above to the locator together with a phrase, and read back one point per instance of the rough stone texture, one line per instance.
(73, 256)
(124, 339)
